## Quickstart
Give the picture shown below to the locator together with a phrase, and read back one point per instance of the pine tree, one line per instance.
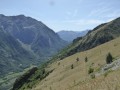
(72, 66)
(109, 58)
(86, 59)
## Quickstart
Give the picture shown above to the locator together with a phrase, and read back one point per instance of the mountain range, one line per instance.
(69, 36)
(25, 41)
(99, 35)
(80, 66)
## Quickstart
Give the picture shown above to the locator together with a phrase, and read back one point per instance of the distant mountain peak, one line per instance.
(71, 35)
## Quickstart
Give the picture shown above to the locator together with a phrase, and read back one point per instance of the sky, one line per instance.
(75, 15)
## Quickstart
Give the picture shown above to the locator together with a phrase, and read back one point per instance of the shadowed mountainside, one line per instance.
(25, 41)
(40, 38)
(13, 57)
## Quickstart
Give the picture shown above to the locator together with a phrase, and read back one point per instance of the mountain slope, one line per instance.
(71, 35)
(78, 78)
(25, 41)
(63, 77)
(13, 57)
(99, 35)
(78, 65)
(40, 38)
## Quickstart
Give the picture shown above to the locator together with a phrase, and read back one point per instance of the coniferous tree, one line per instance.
(109, 58)
(86, 59)
(72, 66)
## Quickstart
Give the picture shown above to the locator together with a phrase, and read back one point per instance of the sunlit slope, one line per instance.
(65, 78)
(99, 35)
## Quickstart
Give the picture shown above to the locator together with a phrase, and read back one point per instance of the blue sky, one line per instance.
(77, 15)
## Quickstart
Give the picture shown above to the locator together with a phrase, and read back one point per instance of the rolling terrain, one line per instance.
(24, 42)
(99, 35)
(64, 77)
(82, 65)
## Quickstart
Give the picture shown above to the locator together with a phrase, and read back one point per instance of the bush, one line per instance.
(92, 76)
(77, 59)
(58, 63)
(91, 70)
(72, 66)
(86, 59)
(109, 58)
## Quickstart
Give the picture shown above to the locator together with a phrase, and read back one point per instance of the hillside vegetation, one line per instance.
(91, 62)
(99, 35)
(64, 77)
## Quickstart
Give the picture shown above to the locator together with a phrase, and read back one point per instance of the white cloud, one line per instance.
(68, 13)
(71, 14)
(84, 22)
(89, 22)
(105, 12)
(77, 25)
(113, 14)
(100, 11)
(75, 13)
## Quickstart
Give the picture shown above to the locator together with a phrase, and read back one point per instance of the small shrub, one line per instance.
(74, 82)
(5, 78)
(77, 59)
(92, 76)
(29, 86)
(91, 70)
(92, 64)
(43, 71)
(58, 63)
(105, 74)
(99, 64)
(50, 88)
(86, 59)
(109, 58)
(72, 66)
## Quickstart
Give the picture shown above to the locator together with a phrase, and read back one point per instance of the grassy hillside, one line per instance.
(66, 71)
(72, 74)
(99, 35)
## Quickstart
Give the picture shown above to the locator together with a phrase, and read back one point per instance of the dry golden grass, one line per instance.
(65, 78)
